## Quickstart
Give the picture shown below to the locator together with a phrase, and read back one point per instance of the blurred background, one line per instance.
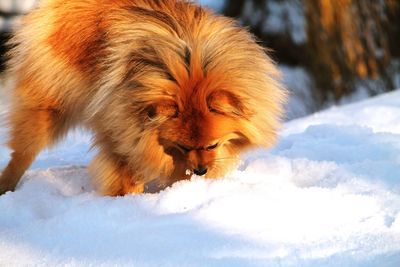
(331, 52)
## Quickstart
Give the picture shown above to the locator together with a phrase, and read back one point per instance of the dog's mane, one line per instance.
(190, 48)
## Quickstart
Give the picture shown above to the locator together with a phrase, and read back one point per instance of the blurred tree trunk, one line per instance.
(4, 37)
(234, 8)
(393, 25)
(348, 42)
(5, 34)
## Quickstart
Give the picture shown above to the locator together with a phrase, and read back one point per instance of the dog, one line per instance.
(168, 88)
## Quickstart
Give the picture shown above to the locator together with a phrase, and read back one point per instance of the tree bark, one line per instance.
(349, 42)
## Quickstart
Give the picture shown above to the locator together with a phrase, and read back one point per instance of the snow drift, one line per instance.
(327, 195)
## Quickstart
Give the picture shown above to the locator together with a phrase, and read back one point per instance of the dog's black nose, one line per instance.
(200, 171)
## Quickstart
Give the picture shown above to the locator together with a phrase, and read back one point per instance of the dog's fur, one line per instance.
(165, 86)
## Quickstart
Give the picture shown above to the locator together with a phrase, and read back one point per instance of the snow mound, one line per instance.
(327, 195)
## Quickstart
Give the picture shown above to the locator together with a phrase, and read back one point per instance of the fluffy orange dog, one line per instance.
(168, 89)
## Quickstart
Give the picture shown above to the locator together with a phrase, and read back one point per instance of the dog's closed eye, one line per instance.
(226, 103)
(211, 147)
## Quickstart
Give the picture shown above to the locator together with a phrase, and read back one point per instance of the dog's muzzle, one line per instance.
(200, 171)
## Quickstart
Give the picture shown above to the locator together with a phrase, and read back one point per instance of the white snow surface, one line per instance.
(327, 195)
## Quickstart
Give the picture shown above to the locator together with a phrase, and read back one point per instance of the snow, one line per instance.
(299, 83)
(327, 195)
(286, 16)
(17, 6)
(214, 4)
(14, 7)
(278, 17)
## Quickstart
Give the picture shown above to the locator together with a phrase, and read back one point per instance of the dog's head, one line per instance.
(186, 93)
(203, 132)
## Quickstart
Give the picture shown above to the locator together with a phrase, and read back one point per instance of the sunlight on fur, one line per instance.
(168, 88)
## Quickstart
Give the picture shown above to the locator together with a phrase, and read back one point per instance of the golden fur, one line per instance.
(165, 86)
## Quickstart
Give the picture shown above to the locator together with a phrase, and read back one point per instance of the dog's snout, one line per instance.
(200, 171)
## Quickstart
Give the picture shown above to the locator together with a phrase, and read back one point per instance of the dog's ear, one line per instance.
(227, 103)
(162, 109)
